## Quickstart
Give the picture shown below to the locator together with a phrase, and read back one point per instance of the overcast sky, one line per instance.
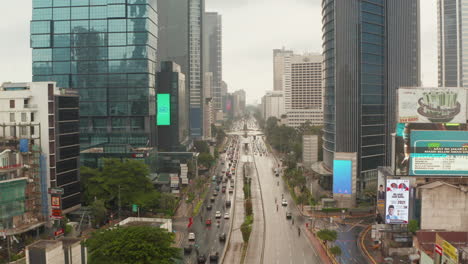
(251, 30)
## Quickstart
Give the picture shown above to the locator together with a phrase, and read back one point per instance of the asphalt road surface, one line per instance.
(283, 242)
(207, 237)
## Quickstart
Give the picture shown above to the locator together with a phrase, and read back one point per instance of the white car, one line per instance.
(191, 236)
(218, 214)
(284, 202)
(226, 216)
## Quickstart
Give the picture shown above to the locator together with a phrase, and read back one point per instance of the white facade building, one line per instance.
(310, 146)
(302, 87)
(273, 105)
(279, 57)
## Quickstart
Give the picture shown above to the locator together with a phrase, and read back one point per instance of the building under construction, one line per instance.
(21, 195)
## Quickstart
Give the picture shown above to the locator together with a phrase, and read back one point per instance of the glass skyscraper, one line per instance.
(452, 42)
(180, 41)
(371, 47)
(107, 50)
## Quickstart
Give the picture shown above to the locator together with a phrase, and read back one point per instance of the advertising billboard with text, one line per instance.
(441, 153)
(164, 110)
(342, 176)
(397, 202)
(432, 105)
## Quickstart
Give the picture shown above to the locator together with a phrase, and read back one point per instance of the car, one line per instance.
(223, 190)
(218, 214)
(209, 207)
(191, 236)
(212, 199)
(228, 203)
(231, 190)
(188, 249)
(201, 259)
(215, 193)
(208, 222)
(217, 188)
(222, 237)
(226, 216)
(284, 202)
(288, 215)
(214, 256)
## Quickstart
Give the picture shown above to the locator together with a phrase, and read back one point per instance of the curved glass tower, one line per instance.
(371, 47)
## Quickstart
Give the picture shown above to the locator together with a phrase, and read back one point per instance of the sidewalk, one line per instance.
(322, 254)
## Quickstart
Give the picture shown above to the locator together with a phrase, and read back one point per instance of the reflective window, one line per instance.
(62, 13)
(80, 13)
(118, 94)
(42, 54)
(114, 11)
(119, 124)
(372, 79)
(42, 68)
(116, 39)
(98, 12)
(137, 38)
(61, 2)
(116, 1)
(371, 38)
(40, 41)
(371, 48)
(61, 27)
(98, 2)
(61, 54)
(80, 26)
(98, 25)
(42, 14)
(137, 25)
(62, 40)
(138, 107)
(117, 66)
(117, 25)
(116, 53)
(372, 68)
(372, 8)
(368, 17)
(80, 2)
(40, 27)
(42, 3)
(61, 67)
(376, 29)
(371, 58)
(118, 108)
(137, 11)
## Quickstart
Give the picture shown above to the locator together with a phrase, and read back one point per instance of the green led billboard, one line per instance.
(163, 117)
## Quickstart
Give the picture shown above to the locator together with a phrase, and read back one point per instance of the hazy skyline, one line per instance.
(251, 30)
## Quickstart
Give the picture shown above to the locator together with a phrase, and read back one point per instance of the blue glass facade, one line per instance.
(107, 50)
(370, 47)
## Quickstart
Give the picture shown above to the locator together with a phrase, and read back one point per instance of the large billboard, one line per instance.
(163, 117)
(432, 105)
(342, 176)
(441, 153)
(397, 202)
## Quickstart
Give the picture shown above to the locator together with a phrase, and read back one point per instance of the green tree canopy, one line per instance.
(133, 244)
(327, 235)
(201, 146)
(206, 160)
(336, 251)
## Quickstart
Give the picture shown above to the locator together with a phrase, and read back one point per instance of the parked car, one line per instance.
(284, 202)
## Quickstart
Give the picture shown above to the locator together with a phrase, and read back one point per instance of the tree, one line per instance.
(336, 251)
(201, 146)
(327, 235)
(413, 226)
(206, 160)
(133, 244)
(99, 212)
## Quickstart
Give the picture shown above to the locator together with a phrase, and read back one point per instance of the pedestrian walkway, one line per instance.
(322, 254)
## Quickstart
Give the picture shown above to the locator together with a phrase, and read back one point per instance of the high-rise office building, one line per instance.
(208, 105)
(212, 53)
(452, 41)
(172, 108)
(279, 57)
(370, 48)
(302, 88)
(180, 40)
(107, 51)
(272, 105)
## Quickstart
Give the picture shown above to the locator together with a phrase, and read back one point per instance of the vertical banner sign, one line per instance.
(163, 117)
(342, 176)
(397, 202)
